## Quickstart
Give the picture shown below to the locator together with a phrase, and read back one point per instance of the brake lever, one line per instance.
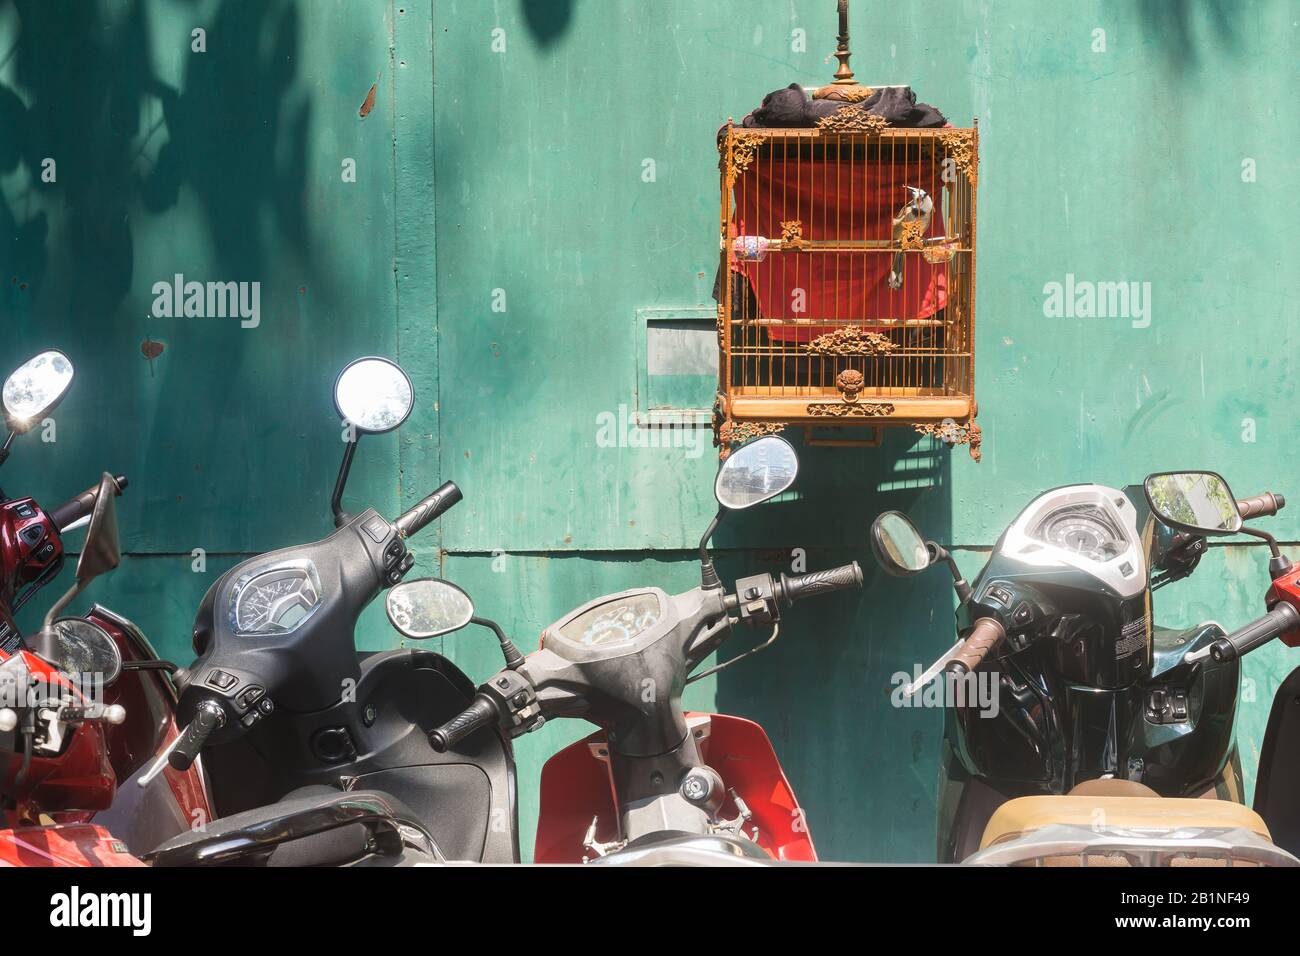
(160, 764)
(931, 672)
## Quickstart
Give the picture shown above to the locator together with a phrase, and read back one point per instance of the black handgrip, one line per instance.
(1266, 504)
(801, 586)
(481, 712)
(207, 719)
(1257, 633)
(428, 509)
(77, 508)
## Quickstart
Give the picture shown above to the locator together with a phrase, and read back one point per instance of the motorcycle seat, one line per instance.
(311, 826)
(1104, 811)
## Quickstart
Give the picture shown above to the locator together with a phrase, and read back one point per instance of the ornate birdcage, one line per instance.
(848, 257)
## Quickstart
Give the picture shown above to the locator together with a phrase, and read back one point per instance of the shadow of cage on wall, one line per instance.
(849, 252)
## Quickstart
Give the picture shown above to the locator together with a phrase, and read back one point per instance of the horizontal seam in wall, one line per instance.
(684, 551)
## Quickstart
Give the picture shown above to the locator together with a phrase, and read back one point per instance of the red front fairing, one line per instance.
(79, 781)
(76, 845)
(1286, 589)
(576, 786)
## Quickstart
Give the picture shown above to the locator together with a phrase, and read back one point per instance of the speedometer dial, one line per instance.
(1082, 533)
(276, 600)
(615, 622)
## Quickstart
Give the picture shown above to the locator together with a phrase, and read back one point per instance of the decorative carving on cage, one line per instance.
(849, 255)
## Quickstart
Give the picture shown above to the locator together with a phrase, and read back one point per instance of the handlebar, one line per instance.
(1257, 633)
(987, 632)
(82, 505)
(800, 586)
(1269, 503)
(481, 712)
(208, 718)
(428, 509)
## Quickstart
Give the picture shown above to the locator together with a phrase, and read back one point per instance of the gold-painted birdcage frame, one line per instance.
(864, 359)
(848, 364)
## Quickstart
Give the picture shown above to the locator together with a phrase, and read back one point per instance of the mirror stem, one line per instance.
(959, 583)
(1278, 563)
(514, 660)
(341, 517)
(4, 451)
(708, 576)
(44, 641)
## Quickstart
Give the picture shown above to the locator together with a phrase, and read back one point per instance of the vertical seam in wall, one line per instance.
(437, 286)
(397, 247)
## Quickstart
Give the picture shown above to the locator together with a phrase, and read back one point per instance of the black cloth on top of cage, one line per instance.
(791, 107)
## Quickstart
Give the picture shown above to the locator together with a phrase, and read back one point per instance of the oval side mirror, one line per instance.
(756, 472)
(374, 395)
(428, 607)
(1196, 501)
(35, 388)
(897, 544)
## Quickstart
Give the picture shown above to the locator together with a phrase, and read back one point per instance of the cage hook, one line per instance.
(844, 87)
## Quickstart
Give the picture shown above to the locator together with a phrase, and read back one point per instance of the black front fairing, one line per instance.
(1088, 687)
(304, 709)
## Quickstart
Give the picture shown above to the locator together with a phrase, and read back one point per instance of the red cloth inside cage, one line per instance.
(836, 201)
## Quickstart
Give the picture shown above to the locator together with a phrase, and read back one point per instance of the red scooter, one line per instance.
(85, 704)
(655, 786)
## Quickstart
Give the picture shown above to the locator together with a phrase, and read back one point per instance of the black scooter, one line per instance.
(318, 754)
(1079, 685)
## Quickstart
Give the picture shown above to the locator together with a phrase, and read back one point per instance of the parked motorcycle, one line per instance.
(317, 752)
(656, 785)
(1091, 699)
(84, 702)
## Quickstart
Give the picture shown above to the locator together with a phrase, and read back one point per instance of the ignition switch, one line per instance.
(704, 788)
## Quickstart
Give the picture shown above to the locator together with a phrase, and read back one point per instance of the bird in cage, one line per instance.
(913, 219)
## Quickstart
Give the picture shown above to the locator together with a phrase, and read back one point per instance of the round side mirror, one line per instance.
(755, 472)
(898, 546)
(428, 607)
(374, 395)
(81, 648)
(1197, 501)
(35, 389)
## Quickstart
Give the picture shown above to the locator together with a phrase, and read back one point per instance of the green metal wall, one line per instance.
(508, 168)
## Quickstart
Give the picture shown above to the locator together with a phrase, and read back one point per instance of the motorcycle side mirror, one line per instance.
(898, 546)
(101, 553)
(756, 472)
(32, 391)
(1199, 502)
(372, 395)
(753, 473)
(901, 550)
(428, 607)
(84, 649)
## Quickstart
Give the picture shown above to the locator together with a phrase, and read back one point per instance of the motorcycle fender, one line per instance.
(576, 787)
(79, 845)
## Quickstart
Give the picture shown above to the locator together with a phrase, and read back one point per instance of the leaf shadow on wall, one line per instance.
(547, 20)
(1184, 29)
(87, 98)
